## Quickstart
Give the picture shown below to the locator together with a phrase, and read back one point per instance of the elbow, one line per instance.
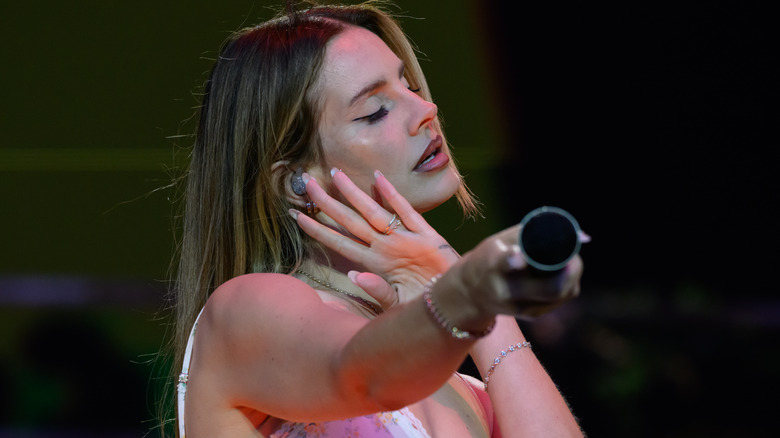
(371, 395)
(386, 404)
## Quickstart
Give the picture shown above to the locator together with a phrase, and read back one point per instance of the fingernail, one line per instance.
(333, 171)
(584, 237)
(294, 213)
(305, 177)
(352, 275)
(516, 261)
(377, 173)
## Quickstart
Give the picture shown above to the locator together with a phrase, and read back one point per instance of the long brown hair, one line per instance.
(260, 107)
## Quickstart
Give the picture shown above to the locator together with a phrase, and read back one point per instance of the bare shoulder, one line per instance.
(250, 341)
(249, 319)
(252, 289)
(243, 302)
(269, 311)
(245, 330)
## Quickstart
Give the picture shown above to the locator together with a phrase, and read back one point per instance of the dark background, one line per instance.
(653, 123)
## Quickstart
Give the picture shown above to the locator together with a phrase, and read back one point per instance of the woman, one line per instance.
(312, 297)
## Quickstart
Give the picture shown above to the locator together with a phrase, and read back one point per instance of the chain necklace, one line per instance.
(369, 306)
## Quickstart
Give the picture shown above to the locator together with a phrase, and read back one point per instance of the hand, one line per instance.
(496, 278)
(375, 286)
(406, 256)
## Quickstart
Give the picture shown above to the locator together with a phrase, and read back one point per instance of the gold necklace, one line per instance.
(372, 308)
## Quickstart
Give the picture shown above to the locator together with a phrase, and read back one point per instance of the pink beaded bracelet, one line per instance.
(443, 322)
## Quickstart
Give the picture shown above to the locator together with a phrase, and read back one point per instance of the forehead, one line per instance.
(354, 58)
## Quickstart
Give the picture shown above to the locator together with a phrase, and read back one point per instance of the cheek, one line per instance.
(361, 156)
(354, 164)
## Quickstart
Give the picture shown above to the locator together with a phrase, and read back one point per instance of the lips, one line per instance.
(432, 157)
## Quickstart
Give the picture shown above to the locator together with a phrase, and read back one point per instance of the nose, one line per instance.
(424, 114)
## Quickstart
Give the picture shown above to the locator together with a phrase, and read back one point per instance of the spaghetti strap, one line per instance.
(184, 376)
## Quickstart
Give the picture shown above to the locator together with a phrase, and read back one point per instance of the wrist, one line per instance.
(455, 315)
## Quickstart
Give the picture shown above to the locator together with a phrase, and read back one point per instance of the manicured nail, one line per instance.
(583, 236)
(294, 213)
(333, 171)
(305, 177)
(352, 275)
(516, 261)
(377, 173)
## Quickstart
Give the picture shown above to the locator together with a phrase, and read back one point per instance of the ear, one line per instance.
(282, 176)
(283, 173)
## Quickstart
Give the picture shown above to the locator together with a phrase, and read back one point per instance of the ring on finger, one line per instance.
(395, 222)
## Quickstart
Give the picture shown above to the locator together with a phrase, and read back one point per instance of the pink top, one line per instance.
(395, 424)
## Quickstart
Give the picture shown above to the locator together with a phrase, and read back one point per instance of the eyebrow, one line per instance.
(373, 86)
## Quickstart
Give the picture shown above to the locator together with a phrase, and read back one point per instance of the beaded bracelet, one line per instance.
(503, 354)
(455, 332)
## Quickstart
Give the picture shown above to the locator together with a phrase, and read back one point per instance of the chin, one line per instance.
(438, 192)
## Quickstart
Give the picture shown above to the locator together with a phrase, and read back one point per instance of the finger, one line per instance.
(514, 261)
(375, 286)
(374, 213)
(574, 269)
(340, 213)
(503, 245)
(343, 245)
(563, 286)
(409, 216)
(509, 235)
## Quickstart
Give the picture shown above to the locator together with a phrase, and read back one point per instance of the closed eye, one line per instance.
(376, 116)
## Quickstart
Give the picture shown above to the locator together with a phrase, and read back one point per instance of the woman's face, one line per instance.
(372, 120)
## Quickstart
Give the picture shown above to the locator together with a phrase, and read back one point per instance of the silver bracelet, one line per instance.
(455, 332)
(503, 354)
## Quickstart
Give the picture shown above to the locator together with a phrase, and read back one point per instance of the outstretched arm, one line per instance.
(268, 342)
(525, 398)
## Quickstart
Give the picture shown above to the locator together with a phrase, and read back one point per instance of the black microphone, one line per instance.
(549, 237)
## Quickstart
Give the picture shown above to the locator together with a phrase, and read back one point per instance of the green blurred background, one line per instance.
(650, 123)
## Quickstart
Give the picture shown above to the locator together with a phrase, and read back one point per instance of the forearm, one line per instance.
(400, 357)
(525, 399)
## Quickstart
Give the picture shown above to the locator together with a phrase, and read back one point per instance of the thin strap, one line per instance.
(185, 374)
